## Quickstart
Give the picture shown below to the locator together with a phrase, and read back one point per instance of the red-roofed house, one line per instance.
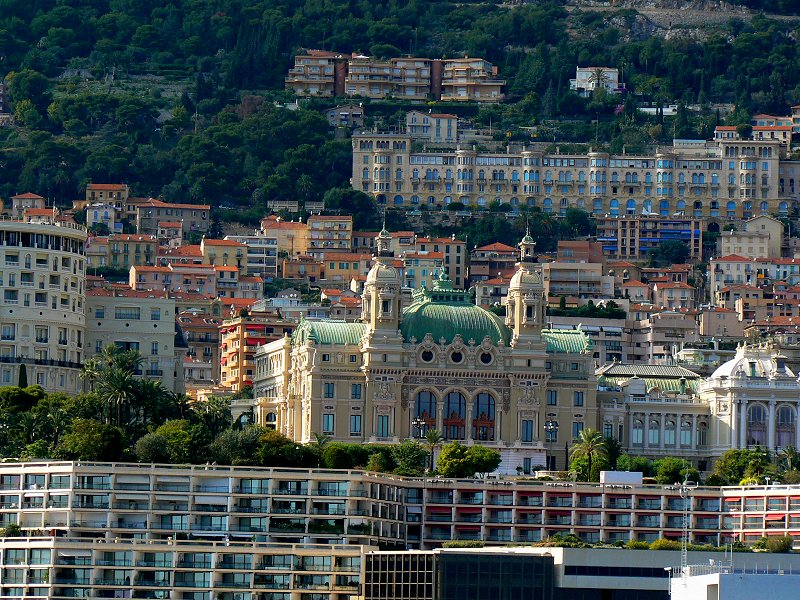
(673, 294)
(22, 202)
(720, 322)
(225, 253)
(492, 261)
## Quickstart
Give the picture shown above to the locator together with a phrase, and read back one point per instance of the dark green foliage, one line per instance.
(92, 440)
(670, 253)
(607, 310)
(456, 460)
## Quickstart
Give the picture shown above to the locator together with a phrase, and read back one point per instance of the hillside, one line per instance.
(177, 99)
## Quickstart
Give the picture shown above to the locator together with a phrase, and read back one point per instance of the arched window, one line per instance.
(686, 434)
(756, 425)
(272, 421)
(784, 426)
(425, 409)
(398, 200)
(630, 206)
(637, 435)
(764, 207)
(483, 418)
(669, 433)
(653, 432)
(455, 411)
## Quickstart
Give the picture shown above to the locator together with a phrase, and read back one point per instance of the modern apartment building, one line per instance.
(488, 262)
(327, 74)
(327, 233)
(240, 337)
(157, 505)
(760, 237)
(634, 237)
(470, 79)
(225, 253)
(42, 319)
(716, 181)
(262, 254)
(136, 320)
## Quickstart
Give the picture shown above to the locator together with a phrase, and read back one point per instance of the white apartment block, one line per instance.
(717, 181)
(42, 324)
(136, 320)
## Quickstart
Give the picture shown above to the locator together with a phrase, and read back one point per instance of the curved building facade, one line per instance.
(42, 322)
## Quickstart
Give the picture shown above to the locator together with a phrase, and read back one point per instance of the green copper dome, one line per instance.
(329, 331)
(448, 320)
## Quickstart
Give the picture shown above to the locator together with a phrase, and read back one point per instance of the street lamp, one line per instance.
(551, 434)
(419, 427)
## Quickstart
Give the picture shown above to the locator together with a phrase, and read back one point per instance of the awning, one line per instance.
(774, 517)
(468, 527)
(794, 497)
(470, 510)
(795, 515)
(732, 499)
(72, 553)
(439, 509)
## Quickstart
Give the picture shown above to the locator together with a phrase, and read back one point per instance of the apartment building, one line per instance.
(634, 237)
(717, 322)
(126, 250)
(341, 267)
(328, 74)
(240, 336)
(491, 261)
(317, 73)
(136, 320)
(674, 295)
(491, 292)
(421, 269)
(226, 509)
(327, 233)
(434, 128)
(760, 237)
(192, 278)
(611, 338)
(716, 181)
(348, 115)
(102, 215)
(200, 331)
(455, 256)
(170, 233)
(291, 236)
(656, 338)
(116, 194)
(196, 218)
(577, 280)
(42, 316)
(302, 268)
(470, 79)
(224, 253)
(262, 254)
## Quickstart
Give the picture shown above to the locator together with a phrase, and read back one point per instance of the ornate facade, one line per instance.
(441, 362)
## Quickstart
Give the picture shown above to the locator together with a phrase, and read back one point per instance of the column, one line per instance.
(678, 422)
(733, 440)
(661, 431)
(468, 423)
(646, 432)
(630, 429)
(694, 432)
(742, 423)
(797, 426)
(440, 417)
(771, 426)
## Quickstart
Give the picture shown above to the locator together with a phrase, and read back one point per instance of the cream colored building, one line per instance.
(224, 253)
(717, 181)
(291, 237)
(761, 237)
(23, 202)
(328, 233)
(137, 320)
(100, 213)
(471, 79)
(42, 315)
(441, 362)
(576, 279)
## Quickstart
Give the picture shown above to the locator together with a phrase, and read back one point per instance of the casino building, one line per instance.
(441, 362)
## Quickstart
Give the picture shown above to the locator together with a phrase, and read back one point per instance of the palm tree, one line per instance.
(433, 439)
(789, 459)
(320, 441)
(598, 77)
(117, 389)
(613, 451)
(150, 397)
(58, 420)
(92, 368)
(590, 444)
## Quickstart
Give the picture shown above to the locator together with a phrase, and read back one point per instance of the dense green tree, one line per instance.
(671, 470)
(410, 458)
(92, 440)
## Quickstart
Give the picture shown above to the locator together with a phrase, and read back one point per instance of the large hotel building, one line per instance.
(211, 532)
(718, 181)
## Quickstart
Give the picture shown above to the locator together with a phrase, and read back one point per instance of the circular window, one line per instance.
(427, 355)
(456, 357)
(486, 358)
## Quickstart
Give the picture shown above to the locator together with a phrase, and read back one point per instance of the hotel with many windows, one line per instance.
(718, 181)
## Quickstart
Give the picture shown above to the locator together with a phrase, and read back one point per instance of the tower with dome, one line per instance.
(439, 363)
